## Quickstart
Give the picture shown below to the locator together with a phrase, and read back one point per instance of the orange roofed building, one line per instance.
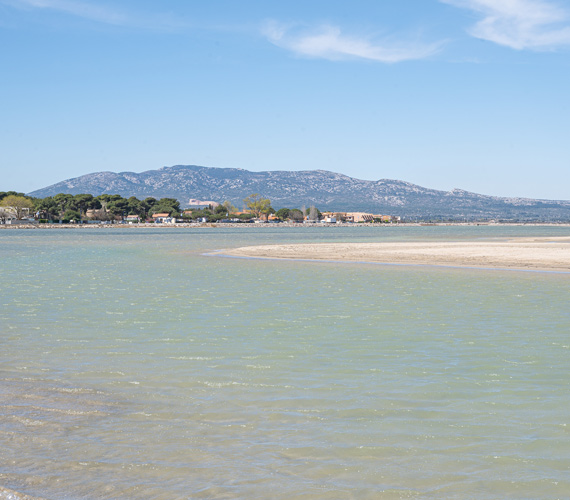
(163, 218)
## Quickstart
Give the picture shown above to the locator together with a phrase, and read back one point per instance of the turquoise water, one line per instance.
(133, 366)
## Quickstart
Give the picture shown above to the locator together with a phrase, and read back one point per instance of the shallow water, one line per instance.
(133, 366)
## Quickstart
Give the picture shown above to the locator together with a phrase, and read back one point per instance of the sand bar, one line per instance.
(541, 254)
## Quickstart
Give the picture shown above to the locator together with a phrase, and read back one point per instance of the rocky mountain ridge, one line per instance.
(324, 189)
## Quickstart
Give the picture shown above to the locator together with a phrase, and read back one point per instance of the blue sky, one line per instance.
(470, 94)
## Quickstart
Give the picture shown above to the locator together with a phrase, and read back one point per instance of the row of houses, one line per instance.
(333, 217)
(327, 217)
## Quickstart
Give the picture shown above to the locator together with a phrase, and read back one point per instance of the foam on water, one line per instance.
(134, 367)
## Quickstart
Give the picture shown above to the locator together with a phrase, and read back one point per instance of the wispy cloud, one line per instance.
(99, 13)
(519, 24)
(76, 8)
(328, 42)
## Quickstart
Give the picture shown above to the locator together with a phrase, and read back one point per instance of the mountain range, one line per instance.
(323, 189)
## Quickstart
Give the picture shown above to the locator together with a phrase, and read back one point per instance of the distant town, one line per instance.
(17, 208)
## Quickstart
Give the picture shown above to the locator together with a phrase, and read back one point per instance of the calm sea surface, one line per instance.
(133, 366)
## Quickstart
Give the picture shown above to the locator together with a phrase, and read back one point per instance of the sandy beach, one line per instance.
(541, 254)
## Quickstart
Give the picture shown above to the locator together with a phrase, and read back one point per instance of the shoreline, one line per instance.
(517, 254)
(283, 225)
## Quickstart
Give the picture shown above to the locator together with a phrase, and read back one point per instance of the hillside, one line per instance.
(326, 190)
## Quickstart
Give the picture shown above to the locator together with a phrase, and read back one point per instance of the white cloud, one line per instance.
(327, 42)
(519, 24)
(101, 14)
(75, 8)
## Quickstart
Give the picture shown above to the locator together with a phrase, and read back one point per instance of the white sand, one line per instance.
(552, 254)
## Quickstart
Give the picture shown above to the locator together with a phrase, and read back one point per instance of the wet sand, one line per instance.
(6, 494)
(540, 254)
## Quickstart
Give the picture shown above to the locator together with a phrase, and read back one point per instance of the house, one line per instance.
(163, 218)
(332, 217)
(7, 215)
(361, 217)
(389, 218)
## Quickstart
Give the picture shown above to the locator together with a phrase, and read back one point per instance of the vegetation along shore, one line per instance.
(18, 209)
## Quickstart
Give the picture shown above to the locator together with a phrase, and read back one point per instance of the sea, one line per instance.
(140, 363)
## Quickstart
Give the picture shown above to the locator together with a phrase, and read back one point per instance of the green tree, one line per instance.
(245, 217)
(105, 199)
(220, 210)
(118, 207)
(20, 205)
(167, 205)
(71, 214)
(146, 206)
(82, 202)
(3, 194)
(257, 205)
(135, 207)
(283, 213)
(270, 210)
(63, 201)
(47, 207)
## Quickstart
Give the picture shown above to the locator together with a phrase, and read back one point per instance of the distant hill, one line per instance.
(326, 190)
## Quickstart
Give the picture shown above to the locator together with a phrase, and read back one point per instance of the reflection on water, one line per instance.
(134, 367)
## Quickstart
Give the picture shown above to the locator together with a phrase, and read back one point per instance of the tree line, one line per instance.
(261, 208)
(68, 207)
(109, 207)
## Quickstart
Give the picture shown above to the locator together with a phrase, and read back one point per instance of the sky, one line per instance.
(468, 94)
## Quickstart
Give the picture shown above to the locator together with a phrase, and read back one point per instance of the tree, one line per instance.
(270, 210)
(71, 214)
(63, 202)
(283, 213)
(244, 217)
(83, 202)
(146, 206)
(47, 207)
(134, 206)
(258, 205)
(105, 199)
(230, 209)
(220, 210)
(314, 214)
(166, 205)
(19, 205)
(296, 215)
(118, 207)
(100, 214)
(3, 194)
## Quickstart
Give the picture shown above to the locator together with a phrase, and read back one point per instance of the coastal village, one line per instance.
(16, 208)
